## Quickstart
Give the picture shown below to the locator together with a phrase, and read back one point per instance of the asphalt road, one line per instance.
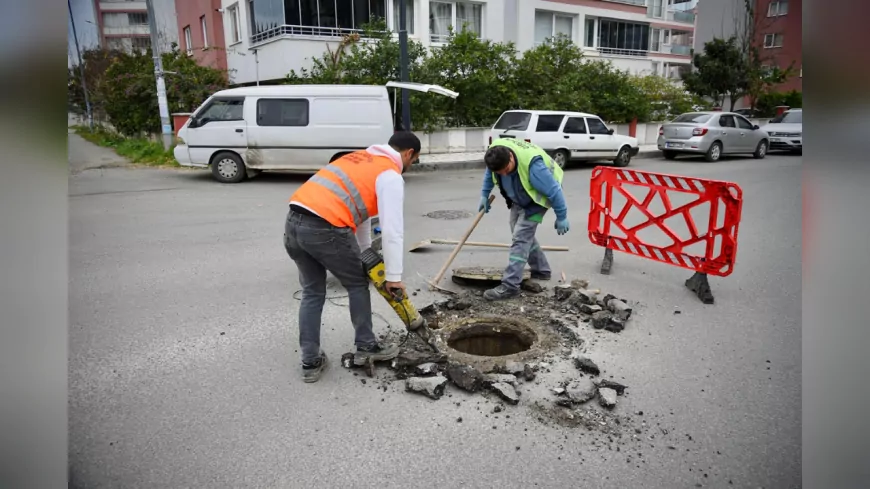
(184, 366)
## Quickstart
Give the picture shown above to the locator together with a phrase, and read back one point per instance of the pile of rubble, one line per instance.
(562, 312)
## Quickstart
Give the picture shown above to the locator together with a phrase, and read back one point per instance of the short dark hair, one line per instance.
(404, 140)
(497, 158)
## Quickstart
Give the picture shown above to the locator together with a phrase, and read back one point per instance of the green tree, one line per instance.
(720, 71)
(666, 99)
(95, 63)
(482, 71)
(547, 77)
(130, 89)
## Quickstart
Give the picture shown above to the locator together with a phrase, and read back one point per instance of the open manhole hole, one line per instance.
(448, 215)
(492, 337)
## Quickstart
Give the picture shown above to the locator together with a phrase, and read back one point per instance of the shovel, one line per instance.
(427, 242)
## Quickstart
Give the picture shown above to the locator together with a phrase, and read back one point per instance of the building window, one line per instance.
(458, 15)
(655, 40)
(140, 43)
(409, 16)
(282, 112)
(549, 24)
(773, 40)
(325, 18)
(655, 67)
(204, 33)
(137, 18)
(235, 24)
(589, 36)
(188, 42)
(656, 9)
(623, 38)
(775, 9)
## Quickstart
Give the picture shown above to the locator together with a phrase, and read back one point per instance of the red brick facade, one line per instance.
(190, 15)
(783, 32)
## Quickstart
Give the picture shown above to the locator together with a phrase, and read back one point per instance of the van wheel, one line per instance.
(715, 152)
(561, 157)
(623, 158)
(228, 167)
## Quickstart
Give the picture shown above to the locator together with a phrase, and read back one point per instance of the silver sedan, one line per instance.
(712, 134)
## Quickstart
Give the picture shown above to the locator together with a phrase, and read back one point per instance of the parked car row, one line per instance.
(714, 134)
(241, 131)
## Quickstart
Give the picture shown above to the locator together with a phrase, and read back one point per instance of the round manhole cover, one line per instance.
(492, 338)
(448, 215)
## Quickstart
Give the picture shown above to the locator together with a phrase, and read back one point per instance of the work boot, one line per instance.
(541, 275)
(500, 293)
(313, 371)
(378, 352)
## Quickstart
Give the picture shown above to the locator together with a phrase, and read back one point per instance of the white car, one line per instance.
(566, 135)
(787, 131)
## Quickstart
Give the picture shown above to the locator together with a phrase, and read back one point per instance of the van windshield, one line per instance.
(515, 121)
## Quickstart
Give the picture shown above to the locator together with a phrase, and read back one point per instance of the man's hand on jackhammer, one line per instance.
(396, 289)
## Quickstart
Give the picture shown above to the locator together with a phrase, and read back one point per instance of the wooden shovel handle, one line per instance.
(487, 244)
(461, 242)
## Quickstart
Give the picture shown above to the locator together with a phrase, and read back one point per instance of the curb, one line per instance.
(478, 164)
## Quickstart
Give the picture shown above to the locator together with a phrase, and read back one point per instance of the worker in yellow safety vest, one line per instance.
(329, 223)
(531, 183)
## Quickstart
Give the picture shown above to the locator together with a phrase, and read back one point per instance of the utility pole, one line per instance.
(403, 64)
(158, 73)
(257, 65)
(81, 67)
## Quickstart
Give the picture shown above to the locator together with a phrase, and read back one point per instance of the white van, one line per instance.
(241, 131)
(566, 135)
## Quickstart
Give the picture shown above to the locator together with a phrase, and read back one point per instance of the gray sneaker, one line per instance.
(500, 293)
(313, 372)
(378, 352)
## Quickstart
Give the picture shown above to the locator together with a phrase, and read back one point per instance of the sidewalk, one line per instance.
(468, 161)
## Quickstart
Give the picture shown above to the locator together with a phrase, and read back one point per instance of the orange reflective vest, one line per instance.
(343, 193)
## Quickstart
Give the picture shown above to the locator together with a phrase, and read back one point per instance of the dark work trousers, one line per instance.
(317, 246)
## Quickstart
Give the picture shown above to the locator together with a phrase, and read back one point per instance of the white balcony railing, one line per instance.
(623, 52)
(681, 49)
(681, 16)
(638, 3)
(301, 30)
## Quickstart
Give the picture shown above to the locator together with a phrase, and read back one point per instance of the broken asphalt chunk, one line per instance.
(589, 308)
(411, 358)
(584, 364)
(531, 286)
(619, 308)
(563, 291)
(579, 284)
(347, 360)
(513, 368)
(432, 387)
(428, 368)
(581, 390)
(506, 392)
(490, 379)
(465, 377)
(584, 296)
(528, 373)
(607, 397)
(609, 384)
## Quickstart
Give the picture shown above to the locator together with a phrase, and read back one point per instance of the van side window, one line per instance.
(575, 125)
(549, 123)
(282, 112)
(223, 110)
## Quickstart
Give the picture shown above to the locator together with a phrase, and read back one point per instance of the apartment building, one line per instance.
(778, 37)
(124, 25)
(201, 29)
(267, 38)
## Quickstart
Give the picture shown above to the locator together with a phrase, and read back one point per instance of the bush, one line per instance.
(138, 150)
(129, 89)
(665, 99)
(768, 102)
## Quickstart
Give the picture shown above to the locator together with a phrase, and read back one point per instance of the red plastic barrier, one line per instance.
(717, 259)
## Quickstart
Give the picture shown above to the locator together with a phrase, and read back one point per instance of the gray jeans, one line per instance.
(524, 249)
(317, 246)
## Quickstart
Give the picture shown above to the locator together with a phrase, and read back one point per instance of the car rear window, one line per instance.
(549, 123)
(518, 121)
(693, 117)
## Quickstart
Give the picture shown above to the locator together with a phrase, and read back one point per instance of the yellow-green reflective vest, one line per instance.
(525, 152)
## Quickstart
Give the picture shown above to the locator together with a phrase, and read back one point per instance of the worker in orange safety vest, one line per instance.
(328, 225)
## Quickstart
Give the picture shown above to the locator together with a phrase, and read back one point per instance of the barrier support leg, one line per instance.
(698, 284)
(607, 262)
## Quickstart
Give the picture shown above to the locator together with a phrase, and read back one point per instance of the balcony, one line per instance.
(681, 49)
(636, 3)
(300, 30)
(681, 16)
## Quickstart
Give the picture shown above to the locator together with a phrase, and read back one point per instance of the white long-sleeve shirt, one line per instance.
(390, 191)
